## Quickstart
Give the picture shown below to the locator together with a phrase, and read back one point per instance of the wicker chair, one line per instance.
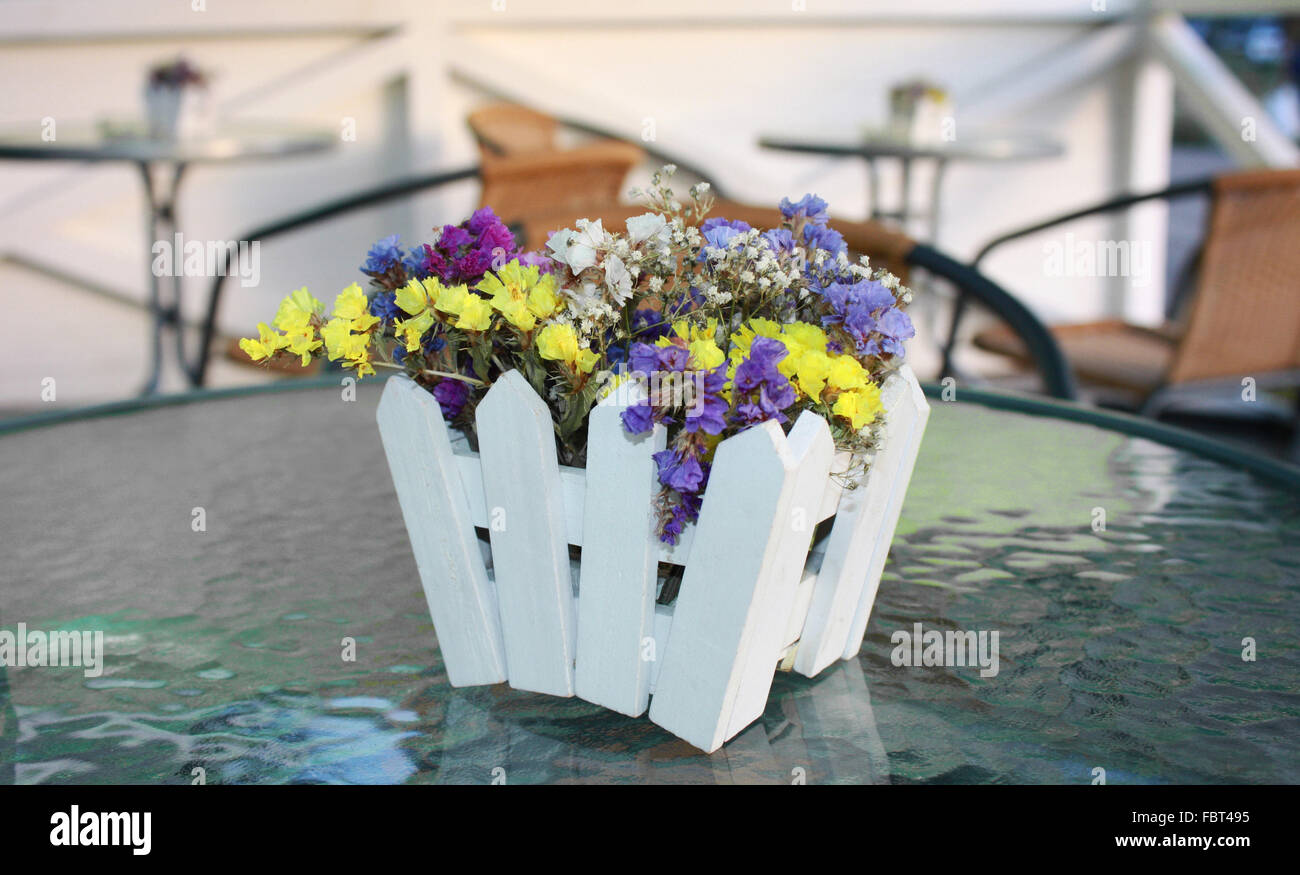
(510, 129)
(1243, 319)
(588, 178)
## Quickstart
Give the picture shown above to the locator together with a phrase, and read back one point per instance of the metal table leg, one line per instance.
(164, 308)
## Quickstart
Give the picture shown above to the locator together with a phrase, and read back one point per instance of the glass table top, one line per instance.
(129, 141)
(1119, 649)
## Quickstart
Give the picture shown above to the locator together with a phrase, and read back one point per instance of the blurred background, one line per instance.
(305, 132)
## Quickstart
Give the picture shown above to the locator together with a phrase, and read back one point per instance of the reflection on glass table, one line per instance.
(1120, 647)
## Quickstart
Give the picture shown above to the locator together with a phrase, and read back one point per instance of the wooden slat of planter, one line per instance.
(916, 400)
(845, 567)
(620, 559)
(530, 554)
(573, 483)
(718, 612)
(811, 449)
(462, 601)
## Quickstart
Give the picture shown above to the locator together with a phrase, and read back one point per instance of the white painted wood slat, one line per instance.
(811, 449)
(462, 600)
(620, 559)
(897, 480)
(718, 612)
(843, 577)
(530, 553)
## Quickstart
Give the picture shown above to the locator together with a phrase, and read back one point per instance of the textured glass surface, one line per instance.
(1120, 649)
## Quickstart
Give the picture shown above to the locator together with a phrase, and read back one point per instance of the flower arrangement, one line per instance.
(710, 324)
(179, 73)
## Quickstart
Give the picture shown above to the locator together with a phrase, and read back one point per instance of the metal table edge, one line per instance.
(1169, 435)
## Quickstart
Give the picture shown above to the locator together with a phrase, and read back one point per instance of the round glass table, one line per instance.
(873, 144)
(162, 164)
(244, 556)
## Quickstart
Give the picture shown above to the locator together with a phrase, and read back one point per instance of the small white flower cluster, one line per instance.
(604, 267)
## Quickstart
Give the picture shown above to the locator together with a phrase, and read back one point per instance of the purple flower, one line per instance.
(383, 256)
(760, 365)
(719, 236)
(809, 206)
(823, 237)
(649, 324)
(779, 240)
(538, 260)
(680, 470)
(708, 409)
(451, 395)
(384, 305)
(718, 222)
(763, 391)
(638, 418)
(644, 357)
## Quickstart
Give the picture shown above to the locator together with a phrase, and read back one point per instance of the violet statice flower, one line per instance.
(719, 236)
(779, 240)
(680, 469)
(384, 305)
(539, 260)
(809, 207)
(464, 253)
(451, 395)
(823, 237)
(383, 256)
(676, 515)
(684, 475)
(708, 409)
(868, 313)
(763, 392)
(649, 324)
(718, 222)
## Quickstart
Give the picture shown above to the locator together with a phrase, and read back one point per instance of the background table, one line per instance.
(168, 160)
(872, 145)
(1119, 649)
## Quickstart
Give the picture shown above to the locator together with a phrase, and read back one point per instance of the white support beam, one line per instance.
(1081, 60)
(1229, 113)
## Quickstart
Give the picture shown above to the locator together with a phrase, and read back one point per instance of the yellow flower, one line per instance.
(451, 298)
(860, 406)
(265, 346)
(335, 334)
(521, 294)
(587, 360)
(352, 305)
(413, 298)
(846, 372)
(559, 342)
(302, 342)
(704, 350)
(296, 310)
(744, 336)
(810, 371)
(475, 313)
(411, 330)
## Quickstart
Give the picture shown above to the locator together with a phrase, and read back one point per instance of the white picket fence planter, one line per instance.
(755, 592)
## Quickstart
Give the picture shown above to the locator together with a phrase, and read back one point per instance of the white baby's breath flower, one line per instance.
(617, 279)
(644, 227)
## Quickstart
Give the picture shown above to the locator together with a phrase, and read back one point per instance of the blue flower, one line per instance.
(383, 256)
(384, 305)
(823, 237)
(809, 206)
(680, 470)
(718, 222)
(779, 240)
(708, 410)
